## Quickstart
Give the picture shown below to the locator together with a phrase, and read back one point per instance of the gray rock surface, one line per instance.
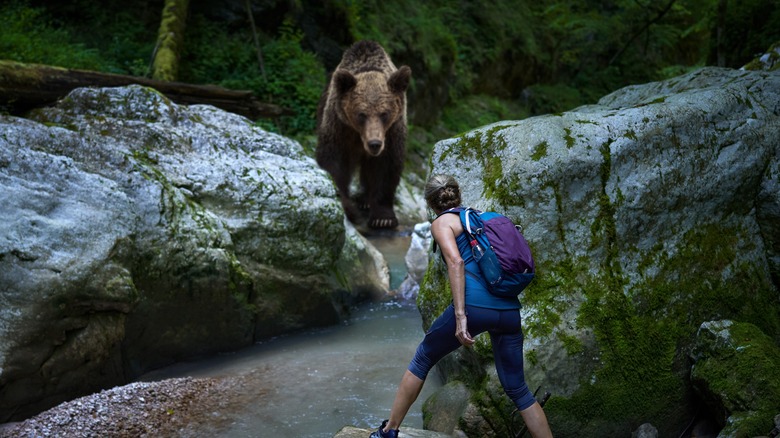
(648, 213)
(646, 430)
(443, 409)
(416, 261)
(135, 232)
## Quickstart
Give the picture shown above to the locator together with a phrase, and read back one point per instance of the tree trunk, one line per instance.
(721, 51)
(248, 5)
(170, 40)
(27, 86)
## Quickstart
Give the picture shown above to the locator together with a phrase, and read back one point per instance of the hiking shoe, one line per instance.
(392, 433)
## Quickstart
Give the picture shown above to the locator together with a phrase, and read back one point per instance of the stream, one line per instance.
(311, 384)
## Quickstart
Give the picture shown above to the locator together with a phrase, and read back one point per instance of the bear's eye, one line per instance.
(361, 118)
(385, 117)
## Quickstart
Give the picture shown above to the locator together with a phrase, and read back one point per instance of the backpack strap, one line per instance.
(455, 210)
(468, 220)
(465, 219)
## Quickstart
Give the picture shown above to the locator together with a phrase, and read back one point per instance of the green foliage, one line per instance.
(473, 63)
(294, 78)
(449, 41)
(461, 115)
(110, 39)
(474, 111)
(213, 55)
(750, 27)
(416, 27)
(543, 99)
(28, 35)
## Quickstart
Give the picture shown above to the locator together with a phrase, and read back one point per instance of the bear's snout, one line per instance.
(373, 135)
(374, 147)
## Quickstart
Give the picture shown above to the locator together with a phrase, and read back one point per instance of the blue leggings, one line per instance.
(506, 336)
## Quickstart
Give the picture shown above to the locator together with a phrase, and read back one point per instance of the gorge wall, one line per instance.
(650, 213)
(135, 232)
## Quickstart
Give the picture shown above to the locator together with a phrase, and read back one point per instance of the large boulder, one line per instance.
(648, 213)
(136, 232)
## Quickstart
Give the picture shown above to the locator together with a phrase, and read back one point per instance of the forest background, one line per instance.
(473, 62)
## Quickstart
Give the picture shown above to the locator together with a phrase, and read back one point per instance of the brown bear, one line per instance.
(361, 123)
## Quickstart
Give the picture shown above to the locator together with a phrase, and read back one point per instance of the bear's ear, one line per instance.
(344, 81)
(399, 80)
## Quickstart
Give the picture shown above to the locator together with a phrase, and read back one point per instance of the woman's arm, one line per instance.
(444, 229)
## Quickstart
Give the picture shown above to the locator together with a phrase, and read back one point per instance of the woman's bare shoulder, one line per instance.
(448, 221)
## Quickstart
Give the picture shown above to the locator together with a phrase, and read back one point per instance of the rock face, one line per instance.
(416, 260)
(649, 213)
(135, 232)
(749, 399)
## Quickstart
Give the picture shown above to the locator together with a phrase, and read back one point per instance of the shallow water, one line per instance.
(312, 384)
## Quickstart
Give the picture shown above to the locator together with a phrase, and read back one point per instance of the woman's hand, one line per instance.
(462, 332)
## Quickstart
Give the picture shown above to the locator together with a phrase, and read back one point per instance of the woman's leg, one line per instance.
(407, 393)
(507, 342)
(536, 421)
(439, 341)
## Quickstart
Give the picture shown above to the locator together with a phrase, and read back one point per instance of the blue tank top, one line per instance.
(477, 293)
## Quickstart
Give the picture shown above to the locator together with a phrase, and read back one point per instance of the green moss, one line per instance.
(568, 138)
(604, 229)
(434, 295)
(571, 344)
(492, 178)
(174, 203)
(744, 378)
(559, 207)
(636, 382)
(540, 151)
(341, 279)
(551, 294)
(467, 146)
(240, 283)
(643, 332)
(486, 147)
(531, 357)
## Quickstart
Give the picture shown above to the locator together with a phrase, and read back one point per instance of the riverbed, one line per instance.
(311, 384)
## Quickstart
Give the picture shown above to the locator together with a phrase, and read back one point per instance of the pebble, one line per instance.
(141, 409)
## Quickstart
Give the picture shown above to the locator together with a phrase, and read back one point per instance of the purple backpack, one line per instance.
(501, 251)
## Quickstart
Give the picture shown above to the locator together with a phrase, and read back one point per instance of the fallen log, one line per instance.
(27, 86)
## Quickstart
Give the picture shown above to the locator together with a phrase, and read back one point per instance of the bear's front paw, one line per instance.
(386, 222)
(351, 211)
(361, 202)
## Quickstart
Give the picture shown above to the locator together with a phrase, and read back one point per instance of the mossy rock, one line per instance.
(737, 374)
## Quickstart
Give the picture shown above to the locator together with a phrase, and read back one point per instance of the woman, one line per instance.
(473, 311)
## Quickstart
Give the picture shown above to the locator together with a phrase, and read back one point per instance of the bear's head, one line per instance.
(371, 102)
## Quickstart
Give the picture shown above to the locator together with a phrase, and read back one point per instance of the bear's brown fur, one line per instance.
(361, 123)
